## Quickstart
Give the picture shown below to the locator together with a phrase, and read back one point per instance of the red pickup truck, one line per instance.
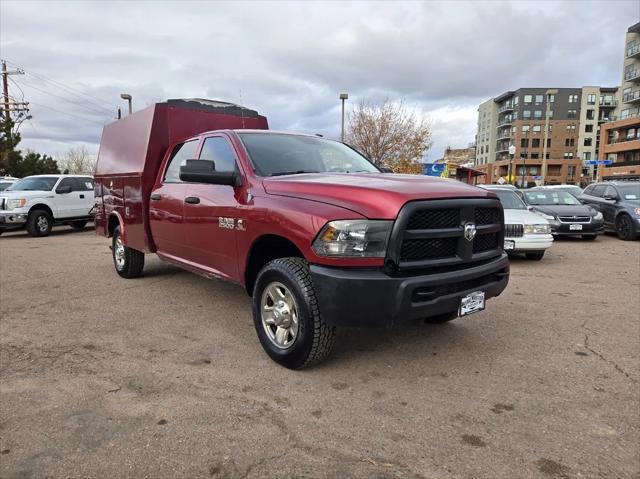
(317, 235)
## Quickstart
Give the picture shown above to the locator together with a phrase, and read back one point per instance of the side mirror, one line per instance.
(63, 190)
(610, 197)
(204, 171)
(386, 169)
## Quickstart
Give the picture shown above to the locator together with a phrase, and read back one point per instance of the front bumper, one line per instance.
(371, 298)
(564, 229)
(12, 219)
(532, 242)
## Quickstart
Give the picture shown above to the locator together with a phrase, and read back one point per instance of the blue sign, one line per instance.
(433, 169)
(601, 162)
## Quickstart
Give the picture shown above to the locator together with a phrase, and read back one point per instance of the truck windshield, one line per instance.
(281, 154)
(34, 183)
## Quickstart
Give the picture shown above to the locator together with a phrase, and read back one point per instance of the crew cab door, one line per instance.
(70, 204)
(166, 204)
(211, 214)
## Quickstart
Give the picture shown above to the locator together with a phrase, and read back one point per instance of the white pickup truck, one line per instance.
(39, 202)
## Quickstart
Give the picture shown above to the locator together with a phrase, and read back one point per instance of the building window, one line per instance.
(548, 155)
(552, 98)
(535, 143)
(537, 128)
(524, 142)
(527, 99)
(572, 114)
(586, 155)
(571, 170)
(591, 99)
(573, 98)
(534, 156)
(624, 114)
(538, 99)
(537, 114)
(515, 101)
(526, 114)
(550, 115)
(525, 129)
(548, 144)
(568, 155)
(571, 127)
(590, 114)
(569, 142)
(588, 128)
(587, 141)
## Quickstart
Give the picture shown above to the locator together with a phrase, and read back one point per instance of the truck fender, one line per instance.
(115, 219)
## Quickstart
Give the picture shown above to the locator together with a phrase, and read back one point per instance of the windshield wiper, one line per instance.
(296, 172)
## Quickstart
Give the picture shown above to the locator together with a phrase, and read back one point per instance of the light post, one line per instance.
(547, 115)
(512, 151)
(524, 170)
(126, 96)
(343, 97)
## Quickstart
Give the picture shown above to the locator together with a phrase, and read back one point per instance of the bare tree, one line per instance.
(78, 161)
(389, 135)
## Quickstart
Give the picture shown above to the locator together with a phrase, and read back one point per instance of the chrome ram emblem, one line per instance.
(469, 231)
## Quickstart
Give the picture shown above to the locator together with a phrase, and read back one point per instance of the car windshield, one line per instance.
(630, 192)
(280, 154)
(550, 197)
(34, 183)
(4, 185)
(572, 190)
(509, 200)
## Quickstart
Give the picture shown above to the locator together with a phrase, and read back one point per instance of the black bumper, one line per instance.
(371, 298)
(563, 229)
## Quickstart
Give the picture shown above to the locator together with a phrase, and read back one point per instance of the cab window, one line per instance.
(181, 153)
(218, 150)
(68, 182)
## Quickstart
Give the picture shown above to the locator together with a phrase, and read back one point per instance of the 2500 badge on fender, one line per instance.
(317, 235)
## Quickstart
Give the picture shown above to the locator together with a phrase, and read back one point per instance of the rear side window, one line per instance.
(218, 150)
(85, 183)
(597, 191)
(68, 182)
(181, 153)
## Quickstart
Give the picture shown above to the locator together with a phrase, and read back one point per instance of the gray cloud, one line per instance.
(290, 60)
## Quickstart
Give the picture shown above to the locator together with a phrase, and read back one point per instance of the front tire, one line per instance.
(287, 316)
(39, 223)
(624, 227)
(535, 255)
(129, 262)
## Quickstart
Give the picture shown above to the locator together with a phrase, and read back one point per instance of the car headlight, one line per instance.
(16, 203)
(537, 229)
(598, 216)
(353, 238)
(637, 211)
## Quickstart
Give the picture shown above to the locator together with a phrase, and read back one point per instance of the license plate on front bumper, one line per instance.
(472, 303)
(575, 227)
(509, 245)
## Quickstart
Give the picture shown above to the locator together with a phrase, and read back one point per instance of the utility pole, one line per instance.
(9, 106)
(5, 89)
(547, 115)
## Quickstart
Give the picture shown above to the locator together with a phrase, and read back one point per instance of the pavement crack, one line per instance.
(601, 356)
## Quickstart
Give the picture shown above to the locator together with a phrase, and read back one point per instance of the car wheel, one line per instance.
(535, 255)
(287, 316)
(39, 223)
(441, 318)
(624, 227)
(589, 237)
(79, 225)
(129, 262)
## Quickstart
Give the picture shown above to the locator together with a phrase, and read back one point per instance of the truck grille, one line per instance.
(513, 231)
(432, 233)
(574, 219)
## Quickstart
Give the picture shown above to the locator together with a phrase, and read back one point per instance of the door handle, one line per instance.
(155, 196)
(82, 196)
(192, 200)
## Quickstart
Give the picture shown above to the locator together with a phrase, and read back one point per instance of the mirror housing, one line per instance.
(63, 190)
(610, 198)
(385, 169)
(204, 171)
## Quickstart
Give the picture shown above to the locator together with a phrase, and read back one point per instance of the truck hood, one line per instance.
(28, 194)
(373, 195)
(523, 217)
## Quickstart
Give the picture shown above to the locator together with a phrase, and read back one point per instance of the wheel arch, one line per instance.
(42, 206)
(113, 222)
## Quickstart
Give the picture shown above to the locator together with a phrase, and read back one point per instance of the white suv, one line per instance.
(38, 202)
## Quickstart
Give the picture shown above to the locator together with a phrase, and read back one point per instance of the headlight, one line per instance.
(353, 238)
(17, 203)
(598, 216)
(537, 229)
(637, 211)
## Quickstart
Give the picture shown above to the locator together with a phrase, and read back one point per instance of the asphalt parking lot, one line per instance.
(163, 376)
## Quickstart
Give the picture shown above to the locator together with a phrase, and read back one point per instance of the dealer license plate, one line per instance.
(472, 303)
(575, 227)
(509, 245)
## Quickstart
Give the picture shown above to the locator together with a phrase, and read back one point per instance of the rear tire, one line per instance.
(441, 318)
(287, 316)
(589, 237)
(128, 262)
(624, 227)
(535, 255)
(79, 225)
(39, 223)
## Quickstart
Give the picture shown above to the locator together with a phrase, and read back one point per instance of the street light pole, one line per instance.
(126, 96)
(543, 173)
(343, 97)
(512, 151)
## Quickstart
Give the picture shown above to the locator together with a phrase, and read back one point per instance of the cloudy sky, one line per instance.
(291, 60)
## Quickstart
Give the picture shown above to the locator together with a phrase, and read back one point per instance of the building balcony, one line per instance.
(609, 104)
(506, 107)
(632, 75)
(504, 121)
(631, 97)
(633, 50)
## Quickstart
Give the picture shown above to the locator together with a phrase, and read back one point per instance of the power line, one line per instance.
(83, 118)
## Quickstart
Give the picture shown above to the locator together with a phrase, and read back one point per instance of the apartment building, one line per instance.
(620, 139)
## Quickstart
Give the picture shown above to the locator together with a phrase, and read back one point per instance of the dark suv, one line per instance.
(619, 202)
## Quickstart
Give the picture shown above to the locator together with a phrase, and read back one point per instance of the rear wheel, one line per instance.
(78, 225)
(589, 237)
(535, 255)
(39, 223)
(624, 227)
(128, 261)
(287, 316)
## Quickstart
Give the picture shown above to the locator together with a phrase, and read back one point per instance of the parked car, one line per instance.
(619, 203)
(6, 182)
(41, 201)
(573, 190)
(566, 215)
(318, 236)
(524, 231)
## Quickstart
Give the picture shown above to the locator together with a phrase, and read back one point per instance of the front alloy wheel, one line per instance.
(279, 314)
(624, 227)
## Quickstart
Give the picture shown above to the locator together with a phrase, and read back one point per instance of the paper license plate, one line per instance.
(575, 227)
(509, 245)
(472, 303)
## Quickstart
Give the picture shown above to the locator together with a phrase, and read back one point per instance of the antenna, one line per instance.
(241, 108)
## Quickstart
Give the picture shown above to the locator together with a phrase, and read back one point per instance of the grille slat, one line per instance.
(513, 231)
(431, 219)
(575, 219)
(485, 242)
(486, 216)
(416, 250)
